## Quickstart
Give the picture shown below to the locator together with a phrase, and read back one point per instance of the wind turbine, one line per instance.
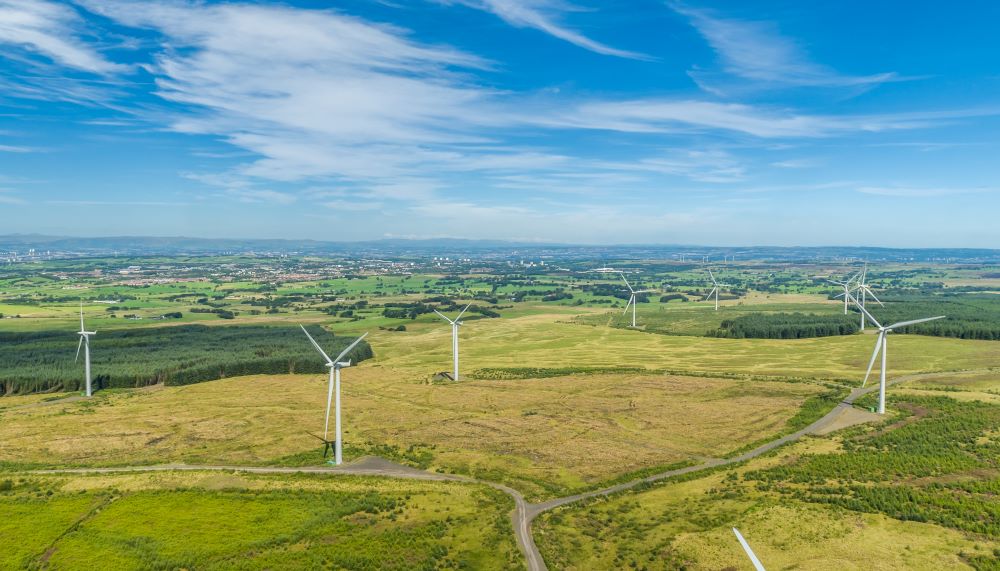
(848, 288)
(865, 290)
(85, 344)
(631, 299)
(880, 344)
(746, 547)
(455, 324)
(715, 289)
(334, 365)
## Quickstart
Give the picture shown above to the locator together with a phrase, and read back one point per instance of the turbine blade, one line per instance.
(746, 547)
(869, 291)
(81, 316)
(349, 347)
(865, 311)
(316, 345)
(878, 345)
(711, 275)
(443, 316)
(914, 322)
(628, 304)
(78, 346)
(463, 311)
(625, 280)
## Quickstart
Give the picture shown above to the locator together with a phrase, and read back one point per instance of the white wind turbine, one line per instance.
(865, 290)
(880, 344)
(631, 299)
(455, 324)
(715, 289)
(85, 344)
(848, 288)
(746, 547)
(334, 365)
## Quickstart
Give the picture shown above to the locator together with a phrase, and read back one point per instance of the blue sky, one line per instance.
(718, 123)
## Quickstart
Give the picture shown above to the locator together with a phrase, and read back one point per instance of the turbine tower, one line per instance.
(334, 365)
(746, 547)
(455, 324)
(881, 345)
(85, 344)
(631, 298)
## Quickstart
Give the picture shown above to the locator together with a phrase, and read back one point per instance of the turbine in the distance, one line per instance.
(455, 324)
(864, 290)
(715, 289)
(85, 344)
(848, 286)
(881, 345)
(334, 365)
(746, 547)
(631, 298)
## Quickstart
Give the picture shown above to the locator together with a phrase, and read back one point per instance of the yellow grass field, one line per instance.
(565, 432)
(551, 339)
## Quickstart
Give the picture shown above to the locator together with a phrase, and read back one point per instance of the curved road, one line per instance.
(524, 513)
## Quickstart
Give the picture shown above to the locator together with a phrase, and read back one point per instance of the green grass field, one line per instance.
(222, 521)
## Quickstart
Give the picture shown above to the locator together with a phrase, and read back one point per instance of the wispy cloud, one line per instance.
(712, 166)
(678, 116)
(18, 149)
(7, 197)
(925, 192)
(795, 163)
(546, 16)
(757, 51)
(152, 203)
(49, 28)
(262, 195)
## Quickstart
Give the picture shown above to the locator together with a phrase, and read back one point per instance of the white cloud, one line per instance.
(795, 164)
(259, 195)
(711, 166)
(17, 149)
(7, 197)
(924, 192)
(756, 51)
(544, 15)
(679, 116)
(48, 28)
(156, 203)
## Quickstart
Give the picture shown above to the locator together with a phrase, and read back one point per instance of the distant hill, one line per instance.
(180, 245)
